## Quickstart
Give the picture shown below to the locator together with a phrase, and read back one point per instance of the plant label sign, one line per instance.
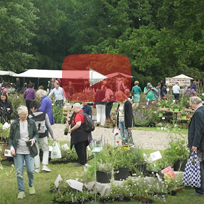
(75, 184)
(58, 180)
(155, 156)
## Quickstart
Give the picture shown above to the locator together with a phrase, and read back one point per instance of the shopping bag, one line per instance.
(56, 152)
(192, 175)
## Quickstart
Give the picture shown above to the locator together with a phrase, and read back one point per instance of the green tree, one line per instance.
(17, 28)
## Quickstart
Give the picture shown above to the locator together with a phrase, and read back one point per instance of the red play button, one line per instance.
(84, 75)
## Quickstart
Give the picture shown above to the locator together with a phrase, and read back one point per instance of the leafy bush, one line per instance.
(16, 101)
(146, 115)
(58, 116)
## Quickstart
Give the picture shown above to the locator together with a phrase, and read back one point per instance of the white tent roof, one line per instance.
(68, 74)
(2, 73)
(40, 73)
(182, 76)
(118, 74)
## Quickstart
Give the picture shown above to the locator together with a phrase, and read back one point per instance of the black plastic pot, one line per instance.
(103, 177)
(180, 165)
(173, 193)
(121, 173)
(65, 133)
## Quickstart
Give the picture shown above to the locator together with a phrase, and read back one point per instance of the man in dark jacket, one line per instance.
(196, 137)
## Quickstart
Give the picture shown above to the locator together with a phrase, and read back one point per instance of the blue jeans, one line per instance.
(125, 134)
(19, 165)
(201, 189)
(123, 130)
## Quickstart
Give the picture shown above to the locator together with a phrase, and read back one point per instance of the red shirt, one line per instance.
(79, 117)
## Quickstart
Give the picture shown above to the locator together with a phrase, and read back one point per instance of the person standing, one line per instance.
(79, 137)
(176, 91)
(87, 109)
(22, 130)
(109, 99)
(58, 92)
(124, 118)
(18, 85)
(29, 95)
(164, 91)
(100, 106)
(51, 84)
(46, 104)
(196, 137)
(136, 91)
(157, 94)
(5, 107)
(42, 122)
(149, 91)
(4, 88)
(70, 90)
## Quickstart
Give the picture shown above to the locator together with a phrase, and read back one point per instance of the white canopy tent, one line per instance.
(182, 76)
(40, 73)
(10, 73)
(67, 74)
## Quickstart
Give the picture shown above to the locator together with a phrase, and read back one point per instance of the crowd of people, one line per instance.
(34, 124)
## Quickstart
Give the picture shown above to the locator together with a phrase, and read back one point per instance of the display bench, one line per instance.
(105, 188)
(176, 115)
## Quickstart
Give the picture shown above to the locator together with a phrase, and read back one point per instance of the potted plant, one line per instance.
(66, 131)
(183, 115)
(176, 108)
(177, 153)
(160, 113)
(137, 162)
(172, 186)
(104, 172)
(4, 133)
(121, 163)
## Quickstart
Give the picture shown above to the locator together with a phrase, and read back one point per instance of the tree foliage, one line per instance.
(17, 19)
(160, 38)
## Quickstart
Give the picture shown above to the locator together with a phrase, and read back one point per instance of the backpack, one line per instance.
(88, 123)
(40, 123)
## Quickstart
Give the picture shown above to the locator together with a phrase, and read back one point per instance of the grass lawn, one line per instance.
(8, 185)
(181, 131)
(67, 171)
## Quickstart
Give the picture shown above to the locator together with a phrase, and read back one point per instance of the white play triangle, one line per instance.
(95, 77)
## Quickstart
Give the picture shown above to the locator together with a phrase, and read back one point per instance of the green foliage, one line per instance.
(146, 115)
(177, 149)
(4, 132)
(16, 100)
(58, 116)
(17, 29)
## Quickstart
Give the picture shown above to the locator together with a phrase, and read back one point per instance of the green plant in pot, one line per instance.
(176, 107)
(66, 131)
(183, 115)
(104, 171)
(177, 153)
(4, 132)
(121, 163)
(137, 162)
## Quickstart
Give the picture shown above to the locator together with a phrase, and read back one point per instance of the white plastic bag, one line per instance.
(56, 152)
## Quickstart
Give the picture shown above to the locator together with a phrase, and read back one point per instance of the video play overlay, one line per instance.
(96, 78)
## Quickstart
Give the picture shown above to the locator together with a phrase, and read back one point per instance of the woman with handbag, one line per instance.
(22, 139)
(125, 119)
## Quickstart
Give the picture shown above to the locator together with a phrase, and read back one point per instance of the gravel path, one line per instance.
(143, 139)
